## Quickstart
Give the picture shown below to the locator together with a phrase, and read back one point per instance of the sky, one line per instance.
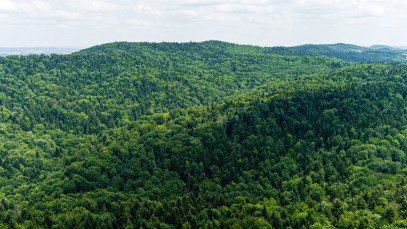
(84, 23)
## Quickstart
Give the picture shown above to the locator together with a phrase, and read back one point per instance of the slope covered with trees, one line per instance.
(119, 136)
(121, 82)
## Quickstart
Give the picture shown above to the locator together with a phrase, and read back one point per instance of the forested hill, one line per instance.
(113, 84)
(205, 49)
(201, 135)
(345, 52)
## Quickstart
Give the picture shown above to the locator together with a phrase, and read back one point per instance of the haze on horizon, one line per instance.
(84, 23)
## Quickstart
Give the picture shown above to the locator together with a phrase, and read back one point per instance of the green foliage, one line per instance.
(201, 135)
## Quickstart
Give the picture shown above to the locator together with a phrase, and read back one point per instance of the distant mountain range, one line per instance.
(36, 50)
(385, 47)
(346, 52)
(354, 53)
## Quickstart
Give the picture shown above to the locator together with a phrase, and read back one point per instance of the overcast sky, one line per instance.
(83, 23)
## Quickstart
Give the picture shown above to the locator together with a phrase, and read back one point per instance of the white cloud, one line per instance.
(94, 5)
(7, 5)
(265, 22)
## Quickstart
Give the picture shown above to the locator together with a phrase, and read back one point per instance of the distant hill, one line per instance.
(35, 50)
(212, 46)
(341, 47)
(346, 52)
(354, 53)
(385, 47)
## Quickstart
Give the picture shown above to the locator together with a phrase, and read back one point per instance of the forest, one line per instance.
(202, 135)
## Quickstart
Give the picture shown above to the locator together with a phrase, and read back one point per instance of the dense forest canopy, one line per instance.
(201, 135)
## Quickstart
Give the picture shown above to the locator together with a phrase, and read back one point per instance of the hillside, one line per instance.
(108, 86)
(201, 135)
